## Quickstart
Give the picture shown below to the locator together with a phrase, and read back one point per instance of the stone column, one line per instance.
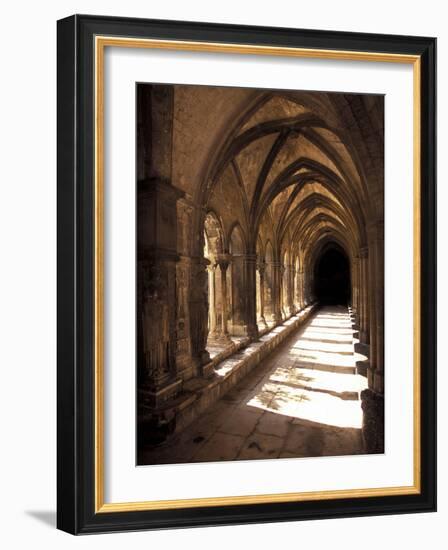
(378, 245)
(243, 297)
(372, 312)
(283, 290)
(261, 266)
(157, 258)
(184, 366)
(223, 261)
(211, 268)
(372, 399)
(364, 296)
(276, 295)
(250, 283)
(290, 295)
(299, 289)
(355, 290)
(306, 292)
(198, 305)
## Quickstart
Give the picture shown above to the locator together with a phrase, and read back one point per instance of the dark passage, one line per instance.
(332, 277)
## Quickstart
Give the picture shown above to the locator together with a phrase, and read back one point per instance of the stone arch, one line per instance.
(252, 189)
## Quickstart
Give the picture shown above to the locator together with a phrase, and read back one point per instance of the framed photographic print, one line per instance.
(246, 274)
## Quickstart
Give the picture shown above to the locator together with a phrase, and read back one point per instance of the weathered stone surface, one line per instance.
(220, 446)
(243, 195)
(273, 424)
(373, 421)
(260, 445)
(241, 422)
(252, 422)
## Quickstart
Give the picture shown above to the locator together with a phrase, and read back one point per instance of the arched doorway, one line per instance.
(332, 277)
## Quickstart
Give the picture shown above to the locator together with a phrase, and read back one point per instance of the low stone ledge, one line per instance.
(198, 394)
(230, 371)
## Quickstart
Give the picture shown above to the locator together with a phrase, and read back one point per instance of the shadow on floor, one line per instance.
(47, 517)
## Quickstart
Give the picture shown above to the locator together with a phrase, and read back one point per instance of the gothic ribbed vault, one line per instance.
(267, 203)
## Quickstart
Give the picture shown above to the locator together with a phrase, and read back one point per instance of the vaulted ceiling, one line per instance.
(295, 169)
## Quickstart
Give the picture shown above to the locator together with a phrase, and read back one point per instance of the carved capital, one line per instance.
(250, 259)
(261, 266)
(223, 260)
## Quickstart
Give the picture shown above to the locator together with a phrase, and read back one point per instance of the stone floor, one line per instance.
(302, 401)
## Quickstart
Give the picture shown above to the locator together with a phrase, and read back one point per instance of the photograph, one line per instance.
(223, 283)
(246, 274)
(260, 273)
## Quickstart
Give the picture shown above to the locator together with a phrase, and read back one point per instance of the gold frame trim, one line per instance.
(101, 42)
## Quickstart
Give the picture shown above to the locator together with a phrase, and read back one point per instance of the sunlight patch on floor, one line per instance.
(313, 406)
(318, 380)
(317, 357)
(308, 386)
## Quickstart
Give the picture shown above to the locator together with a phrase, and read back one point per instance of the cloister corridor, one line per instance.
(260, 271)
(303, 400)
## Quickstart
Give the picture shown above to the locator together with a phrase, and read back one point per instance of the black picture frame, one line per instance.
(76, 271)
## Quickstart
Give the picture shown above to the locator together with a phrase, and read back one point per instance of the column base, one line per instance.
(201, 363)
(372, 404)
(262, 321)
(364, 337)
(208, 370)
(252, 332)
(277, 318)
(156, 418)
(156, 397)
(223, 340)
(239, 330)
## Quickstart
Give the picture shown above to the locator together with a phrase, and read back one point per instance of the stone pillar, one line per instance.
(157, 257)
(372, 404)
(299, 289)
(250, 283)
(282, 287)
(261, 266)
(269, 288)
(306, 292)
(355, 290)
(223, 261)
(364, 335)
(198, 305)
(378, 246)
(211, 268)
(372, 313)
(155, 104)
(276, 294)
(290, 296)
(184, 364)
(373, 397)
(243, 287)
